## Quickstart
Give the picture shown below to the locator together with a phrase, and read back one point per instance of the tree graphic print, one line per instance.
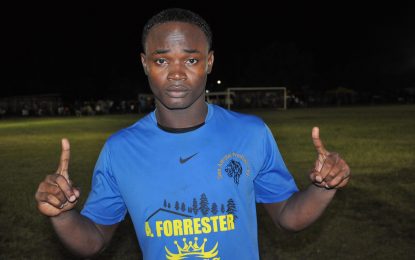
(214, 208)
(231, 208)
(204, 204)
(195, 206)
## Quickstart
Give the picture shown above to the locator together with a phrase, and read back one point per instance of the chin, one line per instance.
(175, 105)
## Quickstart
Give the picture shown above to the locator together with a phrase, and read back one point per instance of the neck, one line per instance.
(181, 118)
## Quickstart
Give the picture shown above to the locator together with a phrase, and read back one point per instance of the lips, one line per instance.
(177, 91)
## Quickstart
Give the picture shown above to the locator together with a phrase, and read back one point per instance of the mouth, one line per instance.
(177, 91)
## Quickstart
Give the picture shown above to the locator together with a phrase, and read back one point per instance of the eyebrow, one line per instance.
(191, 51)
(160, 51)
(163, 51)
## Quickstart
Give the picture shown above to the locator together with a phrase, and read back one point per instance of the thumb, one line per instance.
(64, 160)
(318, 144)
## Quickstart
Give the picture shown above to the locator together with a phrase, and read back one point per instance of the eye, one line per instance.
(160, 61)
(192, 61)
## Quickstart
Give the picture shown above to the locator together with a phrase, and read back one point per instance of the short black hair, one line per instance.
(177, 15)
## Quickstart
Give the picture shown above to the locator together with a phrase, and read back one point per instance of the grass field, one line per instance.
(373, 218)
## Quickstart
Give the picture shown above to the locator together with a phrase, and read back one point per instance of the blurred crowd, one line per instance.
(41, 108)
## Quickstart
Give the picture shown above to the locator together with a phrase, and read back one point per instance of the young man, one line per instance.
(189, 173)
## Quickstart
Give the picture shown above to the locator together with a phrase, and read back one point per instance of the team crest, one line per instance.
(233, 165)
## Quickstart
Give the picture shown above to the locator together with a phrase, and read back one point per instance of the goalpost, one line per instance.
(267, 97)
(218, 97)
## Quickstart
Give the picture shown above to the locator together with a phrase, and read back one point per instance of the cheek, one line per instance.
(200, 77)
(199, 74)
(156, 76)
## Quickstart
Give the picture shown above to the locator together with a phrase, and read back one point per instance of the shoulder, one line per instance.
(140, 128)
(237, 119)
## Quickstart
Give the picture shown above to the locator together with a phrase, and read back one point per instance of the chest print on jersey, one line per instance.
(194, 219)
(233, 165)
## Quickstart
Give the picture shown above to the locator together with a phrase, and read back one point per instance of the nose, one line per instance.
(177, 72)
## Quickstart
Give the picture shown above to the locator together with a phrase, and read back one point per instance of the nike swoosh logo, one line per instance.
(184, 160)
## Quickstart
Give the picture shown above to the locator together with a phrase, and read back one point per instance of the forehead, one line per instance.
(176, 33)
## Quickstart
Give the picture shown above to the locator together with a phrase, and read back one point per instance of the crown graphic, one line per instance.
(192, 248)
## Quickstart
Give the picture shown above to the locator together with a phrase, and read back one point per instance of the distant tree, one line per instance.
(183, 207)
(204, 204)
(165, 204)
(214, 208)
(168, 205)
(231, 208)
(195, 206)
(190, 209)
(177, 205)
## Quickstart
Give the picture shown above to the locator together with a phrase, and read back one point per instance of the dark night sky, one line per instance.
(93, 49)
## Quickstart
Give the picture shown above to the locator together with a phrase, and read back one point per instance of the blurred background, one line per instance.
(325, 53)
(345, 66)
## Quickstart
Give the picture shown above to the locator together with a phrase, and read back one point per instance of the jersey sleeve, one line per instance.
(274, 183)
(104, 205)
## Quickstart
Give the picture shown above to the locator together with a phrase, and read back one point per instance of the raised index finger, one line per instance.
(64, 161)
(318, 144)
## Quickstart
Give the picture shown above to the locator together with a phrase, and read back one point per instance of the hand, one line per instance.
(330, 170)
(55, 194)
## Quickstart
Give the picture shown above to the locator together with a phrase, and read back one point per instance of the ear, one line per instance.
(143, 62)
(211, 58)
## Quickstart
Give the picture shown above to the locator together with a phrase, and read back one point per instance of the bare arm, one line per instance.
(303, 208)
(56, 198)
(80, 235)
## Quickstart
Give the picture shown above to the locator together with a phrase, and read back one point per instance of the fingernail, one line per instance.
(72, 198)
(318, 178)
(327, 186)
